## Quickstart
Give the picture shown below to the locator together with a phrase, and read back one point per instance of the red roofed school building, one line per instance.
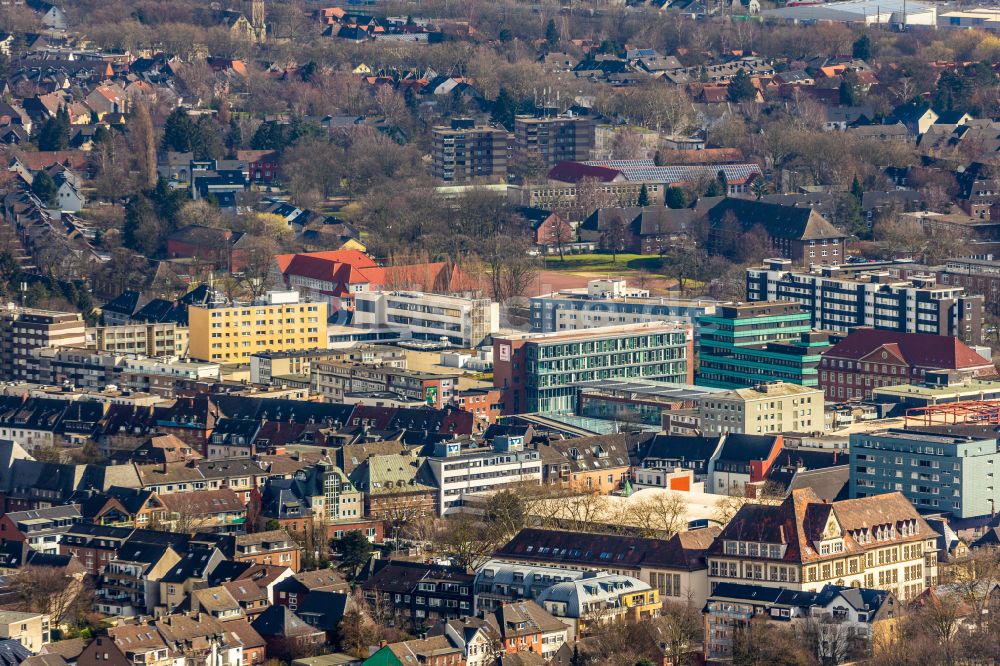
(334, 277)
(869, 358)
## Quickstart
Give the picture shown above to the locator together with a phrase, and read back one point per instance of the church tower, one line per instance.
(257, 20)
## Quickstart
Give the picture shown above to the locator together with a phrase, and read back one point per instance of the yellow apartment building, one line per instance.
(278, 322)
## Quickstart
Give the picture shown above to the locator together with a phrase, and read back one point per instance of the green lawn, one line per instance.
(602, 262)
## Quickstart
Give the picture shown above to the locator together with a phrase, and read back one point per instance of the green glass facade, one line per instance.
(553, 368)
(747, 344)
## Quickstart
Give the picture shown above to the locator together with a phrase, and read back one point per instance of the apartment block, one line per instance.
(463, 322)
(465, 151)
(168, 339)
(272, 367)
(468, 471)
(938, 472)
(554, 138)
(278, 322)
(333, 380)
(766, 408)
(840, 298)
(611, 302)
(539, 372)
(744, 344)
(77, 366)
(25, 329)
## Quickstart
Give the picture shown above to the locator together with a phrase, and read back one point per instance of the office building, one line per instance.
(868, 359)
(805, 543)
(949, 473)
(167, 339)
(745, 344)
(554, 138)
(840, 298)
(766, 408)
(25, 329)
(611, 302)
(538, 372)
(478, 469)
(465, 151)
(278, 322)
(463, 322)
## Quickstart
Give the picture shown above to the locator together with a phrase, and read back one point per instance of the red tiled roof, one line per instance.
(574, 172)
(347, 267)
(917, 349)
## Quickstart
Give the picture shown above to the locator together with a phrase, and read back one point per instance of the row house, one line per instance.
(419, 593)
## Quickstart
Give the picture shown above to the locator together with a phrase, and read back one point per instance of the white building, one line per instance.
(894, 13)
(764, 409)
(463, 322)
(472, 471)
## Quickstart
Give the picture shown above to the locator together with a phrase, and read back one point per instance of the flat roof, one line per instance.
(972, 386)
(600, 332)
(660, 389)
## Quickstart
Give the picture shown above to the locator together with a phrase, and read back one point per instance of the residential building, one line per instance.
(741, 461)
(537, 371)
(610, 302)
(462, 322)
(674, 567)
(599, 464)
(766, 408)
(805, 543)
(24, 329)
(476, 469)
(279, 322)
(977, 276)
(93, 546)
(951, 470)
(335, 380)
(41, 529)
(868, 358)
(397, 488)
(598, 597)
(465, 151)
(271, 547)
(130, 583)
(800, 235)
(294, 590)
(524, 626)
(76, 366)
(271, 367)
(438, 650)
(162, 376)
(29, 629)
(554, 138)
(849, 620)
(499, 582)
(744, 344)
(842, 298)
(167, 339)
(420, 593)
(217, 248)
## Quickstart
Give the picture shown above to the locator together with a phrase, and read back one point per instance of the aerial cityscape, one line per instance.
(512, 333)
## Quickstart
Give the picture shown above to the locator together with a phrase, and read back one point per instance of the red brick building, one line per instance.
(222, 248)
(869, 358)
(262, 165)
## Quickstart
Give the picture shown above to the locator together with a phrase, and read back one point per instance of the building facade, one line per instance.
(868, 359)
(839, 299)
(745, 344)
(805, 543)
(538, 371)
(555, 138)
(610, 302)
(766, 408)
(463, 322)
(465, 151)
(954, 474)
(24, 329)
(279, 322)
(168, 339)
(459, 472)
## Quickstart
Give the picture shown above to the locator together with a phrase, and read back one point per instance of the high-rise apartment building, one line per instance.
(278, 322)
(539, 372)
(25, 329)
(465, 151)
(554, 138)
(745, 344)
(840, 298)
